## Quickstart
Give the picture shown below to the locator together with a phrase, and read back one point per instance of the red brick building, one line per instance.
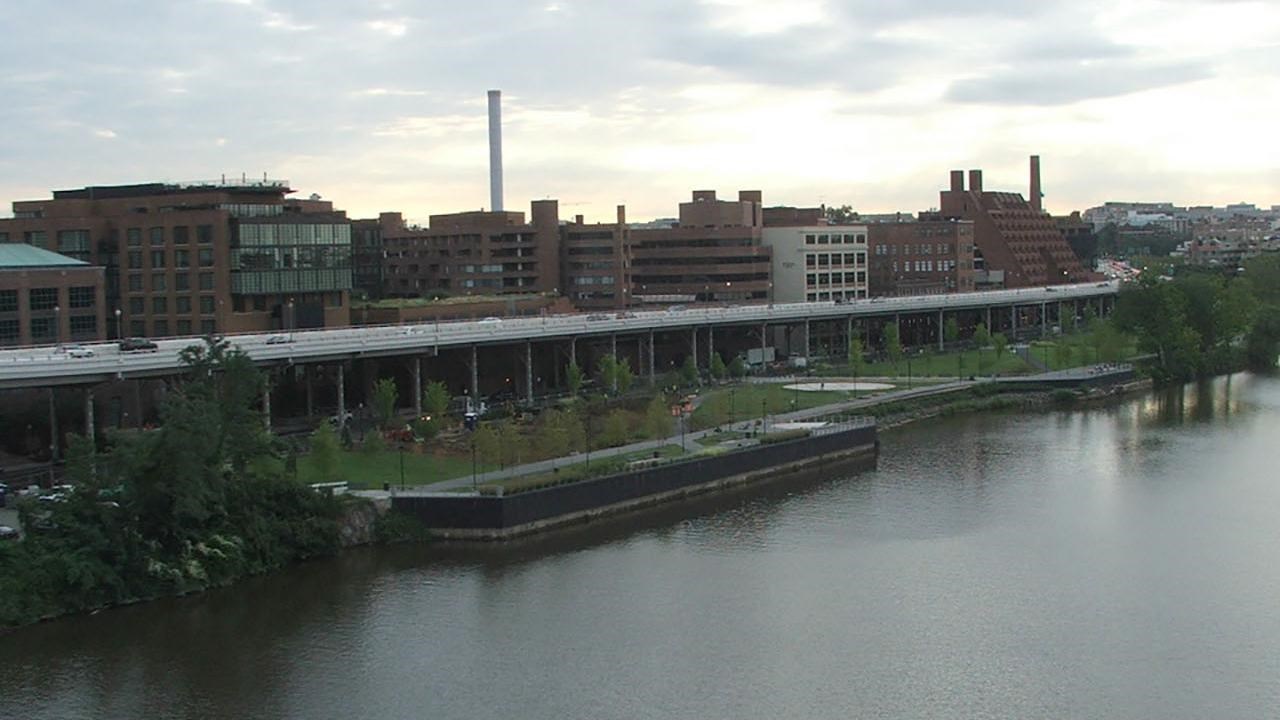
(928, 256)
(1013, 235)
(49, 298)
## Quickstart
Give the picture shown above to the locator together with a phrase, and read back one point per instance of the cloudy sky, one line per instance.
(380, 105)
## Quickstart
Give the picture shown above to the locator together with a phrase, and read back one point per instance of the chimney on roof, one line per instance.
(957, 181)
(577, 219)
(1036, 194)
(495, 150)
(622, 214)
(975, 181)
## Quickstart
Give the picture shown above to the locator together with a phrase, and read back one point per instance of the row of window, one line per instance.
(259, 303)
(925, 265)
(837, 296)
(160, 327)
(181, 305)
(916, 249)
(813, 280)
(78, 297)
(44, 329)
(181, 258)
(249, 235)
(160, 283)
(181, 235)
(812, 260)
(858, 239)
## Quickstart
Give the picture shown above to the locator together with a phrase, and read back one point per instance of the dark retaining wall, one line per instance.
(466, 512)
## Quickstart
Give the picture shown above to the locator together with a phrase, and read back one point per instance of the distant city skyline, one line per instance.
(381, 106)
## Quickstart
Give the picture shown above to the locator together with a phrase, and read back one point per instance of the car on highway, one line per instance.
(597, 317)
(137, 345)
(75, 351)
(279, 340)
(491, 321)
(625, 314)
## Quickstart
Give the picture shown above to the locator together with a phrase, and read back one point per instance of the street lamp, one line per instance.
(57, 323)
(119, 330)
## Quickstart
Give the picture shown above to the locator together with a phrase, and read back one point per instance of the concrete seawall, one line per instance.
(471, 517)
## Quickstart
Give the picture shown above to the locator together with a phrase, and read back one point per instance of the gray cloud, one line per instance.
(1042, 84)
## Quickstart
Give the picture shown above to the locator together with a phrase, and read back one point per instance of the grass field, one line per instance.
(369, 471)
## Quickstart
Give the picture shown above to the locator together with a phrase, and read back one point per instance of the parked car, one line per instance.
(8, 533)
(137, 345)
(279, 340)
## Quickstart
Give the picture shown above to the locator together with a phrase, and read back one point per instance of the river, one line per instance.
(1116, 562)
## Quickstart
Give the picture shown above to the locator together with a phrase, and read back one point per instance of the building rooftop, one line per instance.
(21, 255)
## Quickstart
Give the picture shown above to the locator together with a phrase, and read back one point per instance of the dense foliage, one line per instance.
(1204, 323)
(200, 502)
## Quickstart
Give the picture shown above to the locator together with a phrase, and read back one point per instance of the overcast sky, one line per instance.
(380, 105)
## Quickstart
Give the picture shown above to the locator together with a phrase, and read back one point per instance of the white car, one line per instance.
(75, 351)
(279, 340)
(491, 321)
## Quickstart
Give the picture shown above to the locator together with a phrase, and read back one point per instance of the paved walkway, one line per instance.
(690, 439)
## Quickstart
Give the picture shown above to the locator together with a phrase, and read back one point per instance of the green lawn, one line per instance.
(746, 402)
(951, 364)
(1080, 349)
(368, 472)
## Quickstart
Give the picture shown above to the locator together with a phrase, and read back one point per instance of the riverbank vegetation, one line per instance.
(201, 501)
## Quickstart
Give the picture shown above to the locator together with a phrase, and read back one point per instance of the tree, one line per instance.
(951, 331)
(512, 442)
(1262, 343)
(718, 369)
(607, 373)
(843, 215)
(738, 368)
(657, 418)
(689, 371)
(892, 344)
(488, 443)
(616, 430)
(856, 359)
(981, 335)
(573, 377)
(324, 452)
(435, 400)
(373, 444)
(384, 401)
(1001, 343)
(625, 377)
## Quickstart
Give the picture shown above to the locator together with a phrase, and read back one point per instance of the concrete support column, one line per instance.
(1044, 320)
(342, 396)
(653, 377)
(941, 339)
(528, 371)
(88, 415)
(53, 426)
(573, 351)
(266, 401)
(693, 339)
(764, 344)
(417, 387)
(711, 345)
(310, 392)
(1013, 321)
(807, 342)
(475, 375)
(990, 329)
(848, 334)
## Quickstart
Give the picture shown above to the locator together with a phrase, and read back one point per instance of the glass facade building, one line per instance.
(278, 257)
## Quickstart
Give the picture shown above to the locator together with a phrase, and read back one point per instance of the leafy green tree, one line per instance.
(384, 401)
(892, 344)
(1001, 344)
(981, 335)
(951, 331)
(373, 444)
(1155, 312)
(574, 378)
(325, 452)
(625, 377)
(689, 371)
(658, 422)
(488, 442)
(718, 368)
(616, 430)
(81, 460)
(512, 441)
(607, 373)
(738, 368)
(435, 400)
(1262, 343)
(856, 353)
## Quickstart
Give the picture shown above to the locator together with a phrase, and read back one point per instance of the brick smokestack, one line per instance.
(1036, 195)
(975, 181)
(957, 181)
(622, 214)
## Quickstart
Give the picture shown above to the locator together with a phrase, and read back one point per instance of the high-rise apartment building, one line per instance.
(200, 258)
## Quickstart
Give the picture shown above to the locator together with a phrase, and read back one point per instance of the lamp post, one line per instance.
(764, 415)
(57, 323)
(119, 330)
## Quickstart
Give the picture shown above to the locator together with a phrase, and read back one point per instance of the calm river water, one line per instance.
(1109, 563)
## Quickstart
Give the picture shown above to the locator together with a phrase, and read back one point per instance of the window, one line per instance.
(824, 260)
(8, 301)
(135, 259)
(137, 306)
(138, 328)
(823, 239)
(206, 257)
(181, 234)
(133, 236)
(810, 260)
(74, 243)
(810, 239)
(182, 305)
(811, 279)
(9, 331)
(184, 327)
(160, 305)
(84, 326)
(181, 259)
(36, 238)
(157, 282)
(157, 237)
(135, 282)
(43, 298)
(336, 300)
(208, 327)
(206, 281)
(85, 296)
(157, 258)
(206, 304)
(204, 234)
(160, 328)
(42, 329)
(181, 282)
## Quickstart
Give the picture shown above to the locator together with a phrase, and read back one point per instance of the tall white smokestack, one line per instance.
(495, 150)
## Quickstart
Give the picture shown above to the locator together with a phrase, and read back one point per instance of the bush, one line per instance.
(1064, 396)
